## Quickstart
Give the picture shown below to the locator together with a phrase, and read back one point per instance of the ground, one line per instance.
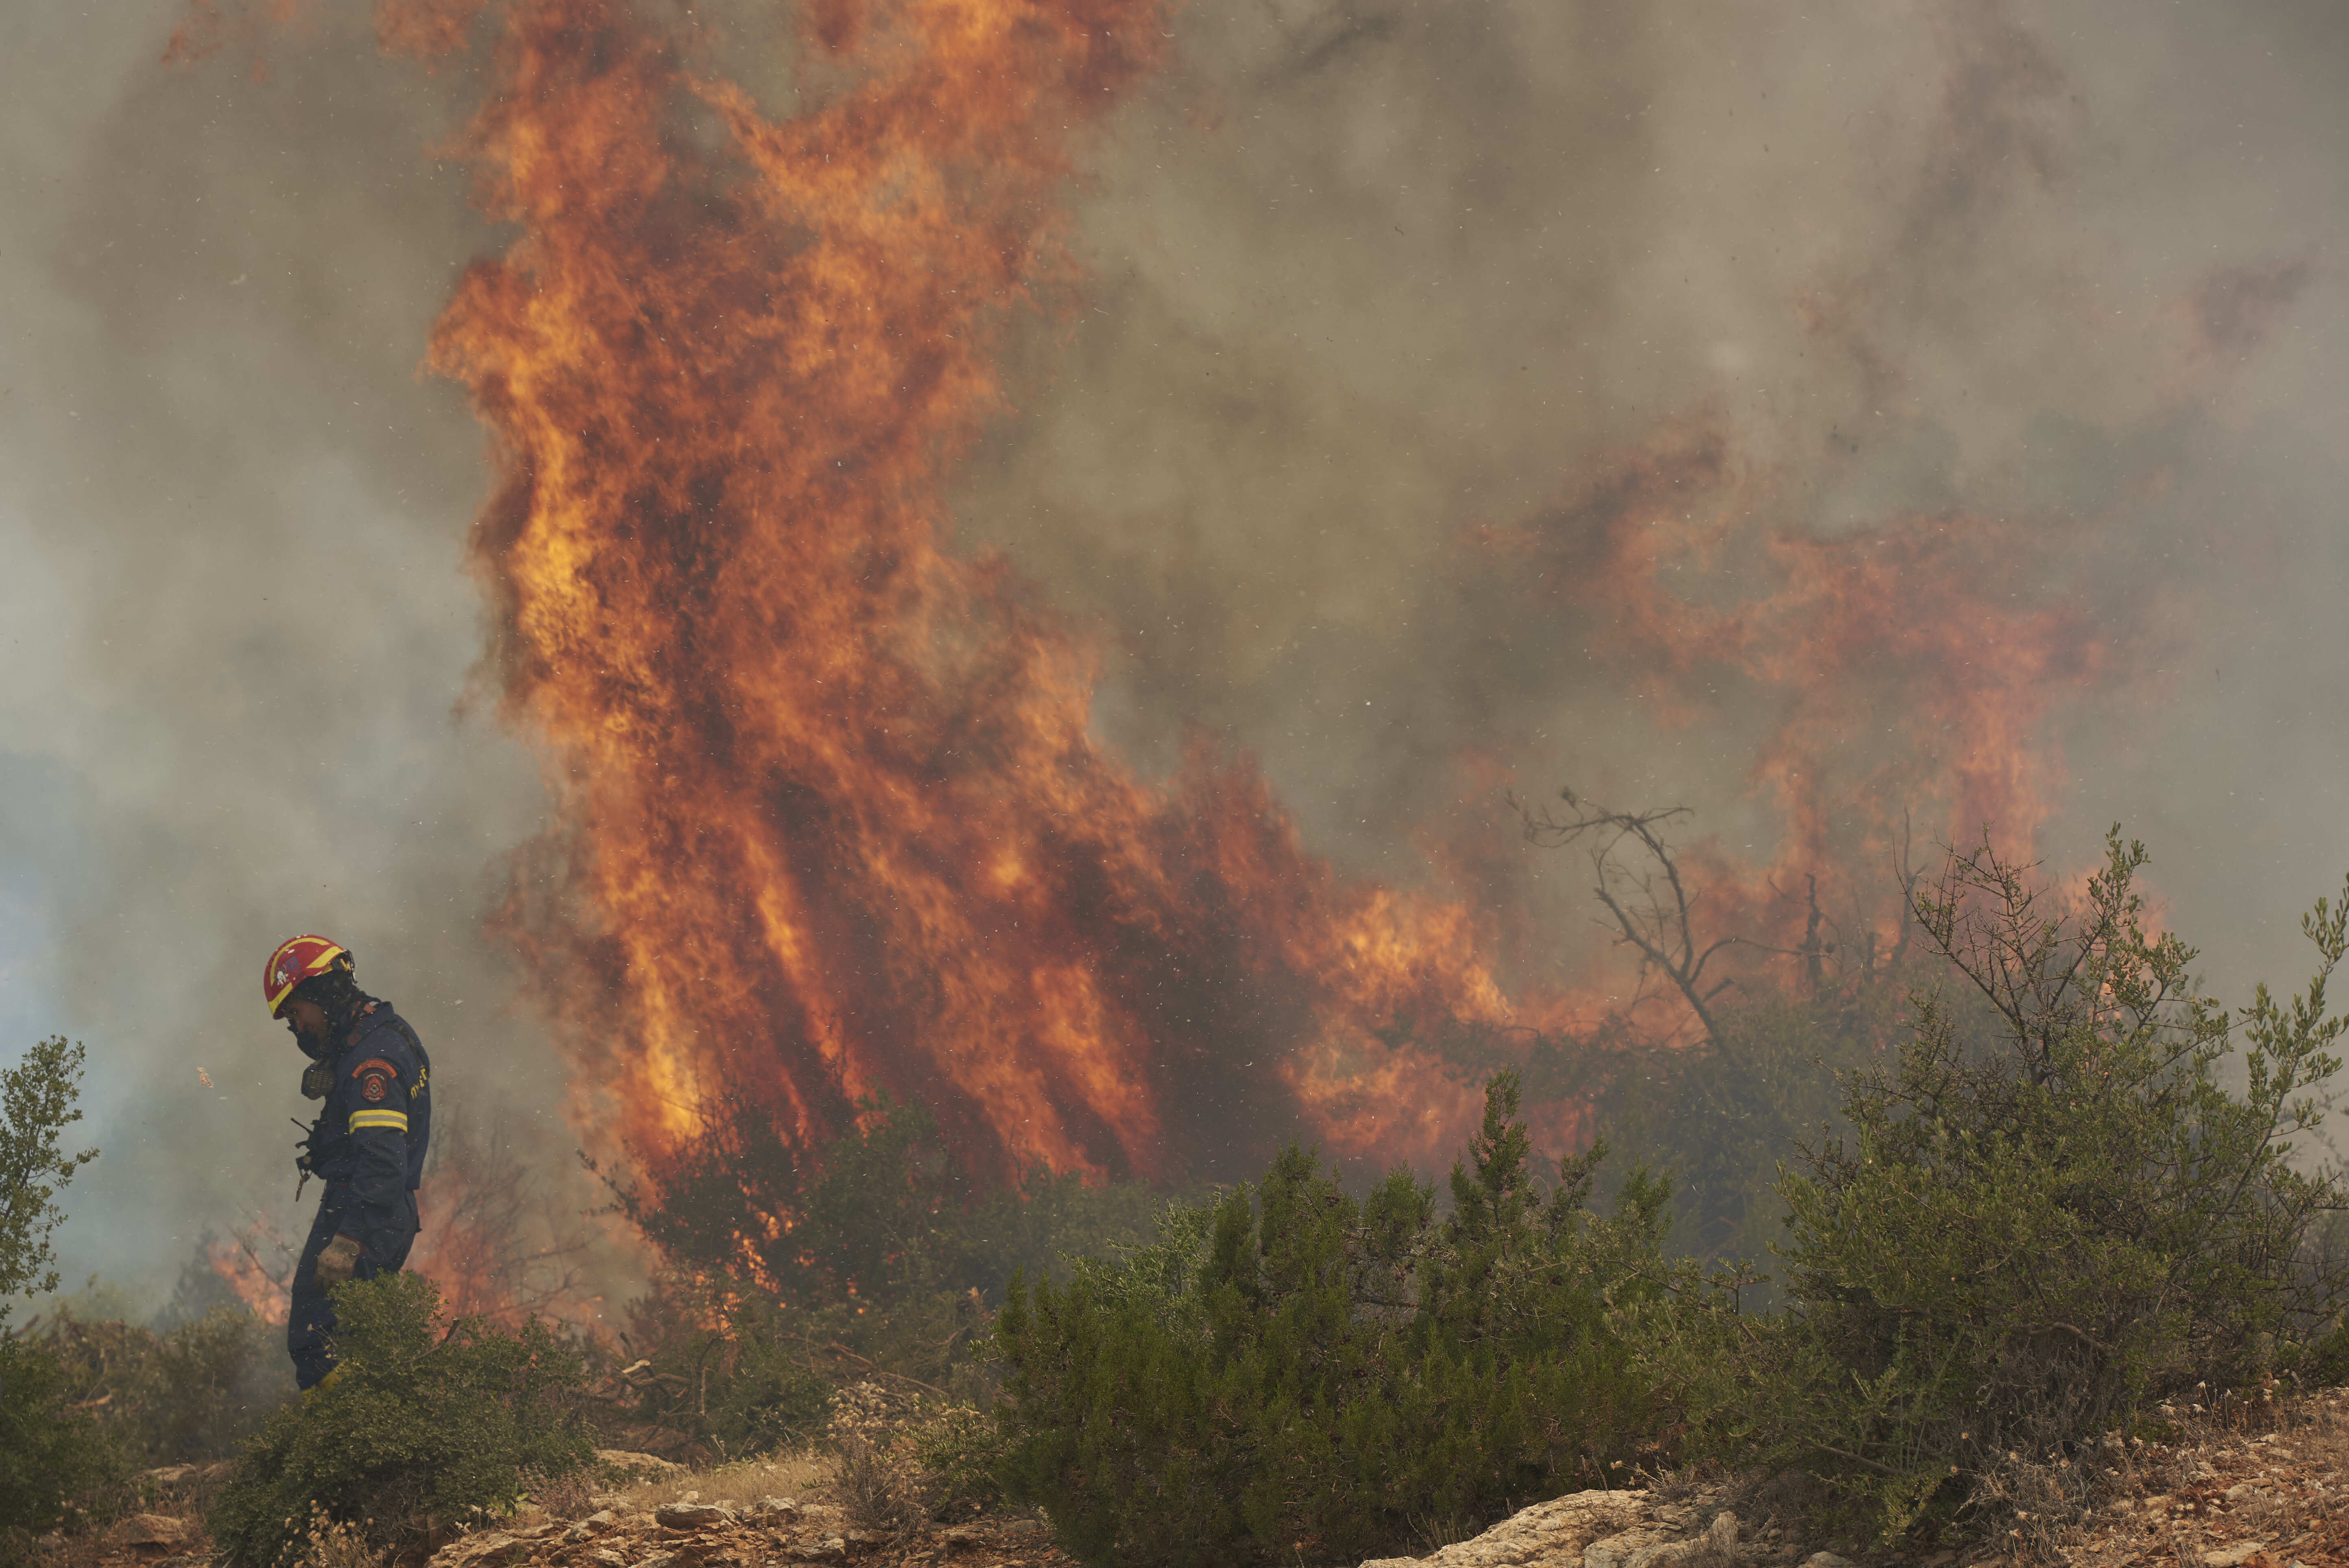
(2263, 1485)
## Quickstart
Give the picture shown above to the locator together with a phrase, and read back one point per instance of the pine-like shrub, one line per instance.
(2025, 1238)
(1293, 1374)
(422, 1419)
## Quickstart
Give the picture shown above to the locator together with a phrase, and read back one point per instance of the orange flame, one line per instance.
(834, 822)
(262, 1286)
(1914, 663)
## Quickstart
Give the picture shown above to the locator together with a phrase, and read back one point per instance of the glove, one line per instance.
(337, 1264)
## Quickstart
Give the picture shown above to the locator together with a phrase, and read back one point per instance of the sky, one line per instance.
(1366, 283)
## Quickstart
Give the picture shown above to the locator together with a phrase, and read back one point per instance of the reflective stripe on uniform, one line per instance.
(393, 1119)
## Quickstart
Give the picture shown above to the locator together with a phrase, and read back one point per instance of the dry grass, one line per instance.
(2267, 1469)
(330, 1543)
(804, 1475)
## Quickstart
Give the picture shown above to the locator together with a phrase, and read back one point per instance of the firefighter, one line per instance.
(367, 1145)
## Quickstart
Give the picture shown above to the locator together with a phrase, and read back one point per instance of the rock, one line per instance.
(962, 1538)
(150, 1533)
(657, 1560)
(775, 1510)
(598, 1522)
(1555, 1532)
(2233, 1556)
(1020, 1526)
(640, 1464)
(1720, 1535)
(831, 1547)
(866, 1540)
(1664, 1544)
(469, 1550)
(608, 1558)
(691, 1515)
(1826, 1559)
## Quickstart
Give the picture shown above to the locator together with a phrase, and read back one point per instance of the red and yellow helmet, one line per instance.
(297, 959)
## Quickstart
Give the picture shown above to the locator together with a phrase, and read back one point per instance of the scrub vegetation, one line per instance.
(1925, 1242)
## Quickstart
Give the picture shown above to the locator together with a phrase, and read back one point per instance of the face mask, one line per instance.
(316, 1080)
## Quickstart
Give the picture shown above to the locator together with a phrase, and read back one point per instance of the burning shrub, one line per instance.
(417, 1421)
(876, 1217)
(2023, 1242)
(1291, 1373)
(793, 1271)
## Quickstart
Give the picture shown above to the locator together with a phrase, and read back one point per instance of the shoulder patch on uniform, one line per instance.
(376, 1063)
(376, 1081)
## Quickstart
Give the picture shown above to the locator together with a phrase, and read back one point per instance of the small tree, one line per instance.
(50, 1453)
(2025, 1238)
(36, 1105)
(1292, 1375)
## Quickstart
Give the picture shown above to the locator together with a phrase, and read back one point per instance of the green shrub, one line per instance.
(186, 1395)
(2020, 1244)
(722, 1366)
(960, 1451)
(36, 1105)
(421, 1419)
(1291, 1374)
(52, 1455)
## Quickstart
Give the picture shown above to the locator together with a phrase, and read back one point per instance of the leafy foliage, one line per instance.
(51, 1455)
(188, 1393)
(2017, 1245)
(36, 1105)
(419, 1420)
(1289, 1372)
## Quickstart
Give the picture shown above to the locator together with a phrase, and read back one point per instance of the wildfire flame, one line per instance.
(836, 821)
(1912, 664)
(261, 1285)
(833, 820)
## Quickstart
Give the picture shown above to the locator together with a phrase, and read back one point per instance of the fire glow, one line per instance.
(833, 821)
(835, 824)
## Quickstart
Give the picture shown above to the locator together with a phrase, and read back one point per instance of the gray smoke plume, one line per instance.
(1367, 278)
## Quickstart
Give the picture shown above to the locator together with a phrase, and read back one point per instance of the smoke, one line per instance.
(1371, 287)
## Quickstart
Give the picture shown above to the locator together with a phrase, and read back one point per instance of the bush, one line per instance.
(417, 1422)
(36, 1105)
(51, 1455)
(186, 1395)
(2023, 1242)
(1291, 1374)
(877, 1216)
(792, 1272)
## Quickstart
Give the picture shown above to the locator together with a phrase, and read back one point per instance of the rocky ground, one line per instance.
(2265, 1486)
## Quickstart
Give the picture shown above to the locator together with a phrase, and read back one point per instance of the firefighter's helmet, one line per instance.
(297, 959)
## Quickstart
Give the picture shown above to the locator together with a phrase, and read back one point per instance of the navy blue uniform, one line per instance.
(369, 1145)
